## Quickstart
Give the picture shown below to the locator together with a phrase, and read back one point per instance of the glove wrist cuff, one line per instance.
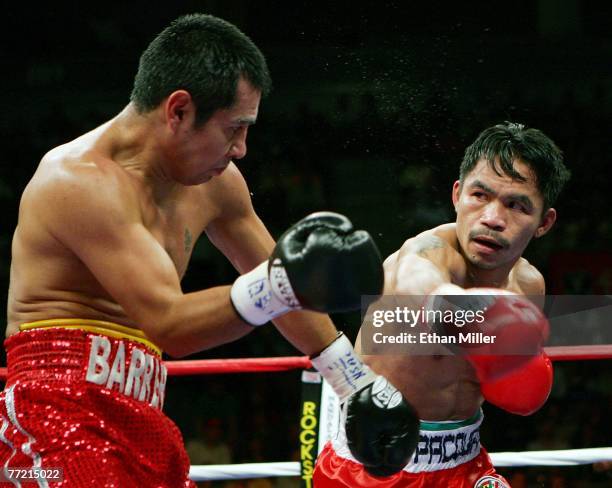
(280, 284)
(342, 368)
(254, 299)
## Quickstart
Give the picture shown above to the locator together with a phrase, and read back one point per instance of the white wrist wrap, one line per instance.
(342, 368)
(254, 299)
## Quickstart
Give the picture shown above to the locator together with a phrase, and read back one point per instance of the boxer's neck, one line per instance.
(487, 278)
(136, 142)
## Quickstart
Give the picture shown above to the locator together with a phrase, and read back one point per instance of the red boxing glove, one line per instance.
(523, 391)
(518, 327)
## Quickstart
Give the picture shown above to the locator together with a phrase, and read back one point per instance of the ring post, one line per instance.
(309, 424)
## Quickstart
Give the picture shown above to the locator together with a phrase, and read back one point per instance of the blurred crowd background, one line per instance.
(372, 108)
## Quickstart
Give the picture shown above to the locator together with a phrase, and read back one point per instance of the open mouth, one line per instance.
(488, 243)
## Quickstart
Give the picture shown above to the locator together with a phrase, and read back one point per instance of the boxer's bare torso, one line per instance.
(49, 280)
(440, 387)
(108, 222)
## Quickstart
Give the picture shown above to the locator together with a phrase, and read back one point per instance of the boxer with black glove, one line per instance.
(106, 229)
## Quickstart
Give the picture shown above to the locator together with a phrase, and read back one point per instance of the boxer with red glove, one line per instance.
(509, 178)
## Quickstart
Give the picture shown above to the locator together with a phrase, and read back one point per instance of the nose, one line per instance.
(494, 217)
(238, 149)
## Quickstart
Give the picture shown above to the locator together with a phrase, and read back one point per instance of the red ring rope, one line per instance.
(579, 353)
(260, 365)
(250, 365)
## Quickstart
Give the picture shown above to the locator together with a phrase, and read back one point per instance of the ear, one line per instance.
(179, 109)
(548, 219)
(456, 192)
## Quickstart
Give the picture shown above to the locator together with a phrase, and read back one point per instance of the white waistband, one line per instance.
(442, 445)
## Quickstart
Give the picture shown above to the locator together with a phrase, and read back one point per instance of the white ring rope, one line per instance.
(243, 471)
(569, 457)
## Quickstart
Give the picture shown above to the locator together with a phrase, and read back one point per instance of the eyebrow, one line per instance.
(481, 185)
(245, 121)
(519, 197)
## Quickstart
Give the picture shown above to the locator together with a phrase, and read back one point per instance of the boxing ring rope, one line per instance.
(570, 457)
(263, 365)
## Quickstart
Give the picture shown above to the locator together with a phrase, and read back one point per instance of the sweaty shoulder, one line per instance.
(71, 185)
(527, 279)
(228, 194)
(424, 261)
(438, 245)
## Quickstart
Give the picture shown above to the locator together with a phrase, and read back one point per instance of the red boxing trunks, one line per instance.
(82, 408)
(449, 454)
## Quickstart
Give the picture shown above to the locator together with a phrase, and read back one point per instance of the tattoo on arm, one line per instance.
(188, 240)
(427, 243)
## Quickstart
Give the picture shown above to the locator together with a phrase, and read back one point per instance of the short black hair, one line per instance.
(502, 144)
(203, 55)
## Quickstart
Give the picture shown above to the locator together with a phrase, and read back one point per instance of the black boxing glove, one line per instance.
(321, 263)
(382, 428)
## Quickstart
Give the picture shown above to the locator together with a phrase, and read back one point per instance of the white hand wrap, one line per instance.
(342, 368)
(257, 300)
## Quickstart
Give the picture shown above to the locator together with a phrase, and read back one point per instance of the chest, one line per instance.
(176, 226)
(461, 276)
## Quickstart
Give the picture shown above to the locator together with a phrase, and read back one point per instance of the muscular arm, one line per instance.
(439, 386)
(416, 269)
(243, 238)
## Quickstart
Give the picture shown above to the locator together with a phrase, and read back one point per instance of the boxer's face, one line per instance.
(205, 151)
(497, 216)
